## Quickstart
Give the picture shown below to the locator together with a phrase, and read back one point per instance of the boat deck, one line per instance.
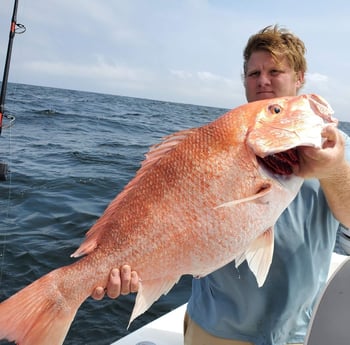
(167, 330)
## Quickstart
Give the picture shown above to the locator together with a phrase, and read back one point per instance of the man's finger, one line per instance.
(125, 279)
(98, 293)
(114, 283)
(134, 284)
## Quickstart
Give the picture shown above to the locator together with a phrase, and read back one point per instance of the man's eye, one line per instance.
(253, 74)
(274, 72)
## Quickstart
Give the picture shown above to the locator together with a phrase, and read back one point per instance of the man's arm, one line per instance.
(337, 191)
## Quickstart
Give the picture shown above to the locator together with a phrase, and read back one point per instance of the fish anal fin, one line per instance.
(149, 292)
(259, 256)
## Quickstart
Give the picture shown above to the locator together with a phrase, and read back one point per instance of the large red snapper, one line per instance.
(201, 199)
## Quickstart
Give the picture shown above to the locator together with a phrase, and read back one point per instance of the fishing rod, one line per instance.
(14, 29)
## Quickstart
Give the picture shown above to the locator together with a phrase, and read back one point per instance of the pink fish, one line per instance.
(202, 198)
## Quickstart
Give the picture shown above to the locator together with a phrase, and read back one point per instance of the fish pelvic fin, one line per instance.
(36, 315)
(259, 256)
(149, 292)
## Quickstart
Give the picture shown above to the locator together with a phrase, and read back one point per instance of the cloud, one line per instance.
(317, 77)
(207, 88)
(186, 51)
(202, 76)
(334, 89)
(101, 70)
(184, 75)
(317, 82)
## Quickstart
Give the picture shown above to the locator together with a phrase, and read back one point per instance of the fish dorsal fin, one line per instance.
(153, 156)
(168, 142)
(259, 256)
(91, 241)
(155, 153)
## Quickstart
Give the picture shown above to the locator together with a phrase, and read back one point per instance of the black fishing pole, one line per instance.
(14, 28)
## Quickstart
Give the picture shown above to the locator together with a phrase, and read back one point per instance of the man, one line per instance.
(227, 307)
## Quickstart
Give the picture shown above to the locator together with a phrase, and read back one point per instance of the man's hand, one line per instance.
(330, 166)
(326, 162)
(121, 282)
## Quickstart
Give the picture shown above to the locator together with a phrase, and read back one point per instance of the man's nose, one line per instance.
(264, 80)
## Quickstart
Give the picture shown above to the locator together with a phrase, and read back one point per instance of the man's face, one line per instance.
(266, 78)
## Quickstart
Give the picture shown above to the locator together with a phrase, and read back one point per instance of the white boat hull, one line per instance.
(168, 329)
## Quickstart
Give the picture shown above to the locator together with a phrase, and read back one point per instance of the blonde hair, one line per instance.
(279, 43)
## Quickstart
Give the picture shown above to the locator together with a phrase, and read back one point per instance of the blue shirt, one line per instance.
(228, 303)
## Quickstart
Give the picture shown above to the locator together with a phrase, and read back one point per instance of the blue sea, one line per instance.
(69, 154)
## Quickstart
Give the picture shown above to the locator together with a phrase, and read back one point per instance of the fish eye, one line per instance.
(275, 109)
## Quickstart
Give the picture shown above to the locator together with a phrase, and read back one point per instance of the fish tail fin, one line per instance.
(39, 314)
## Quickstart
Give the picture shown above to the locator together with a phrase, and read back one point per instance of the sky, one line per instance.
(187, 51)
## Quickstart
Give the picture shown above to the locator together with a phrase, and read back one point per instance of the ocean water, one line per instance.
(69, 154)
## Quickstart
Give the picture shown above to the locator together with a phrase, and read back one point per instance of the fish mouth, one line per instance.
(281, 163)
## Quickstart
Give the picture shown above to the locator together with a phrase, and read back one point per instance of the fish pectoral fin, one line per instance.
(263, 191)
(259, 256)
(149, 292)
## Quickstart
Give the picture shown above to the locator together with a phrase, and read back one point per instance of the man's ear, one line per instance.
(300, 79)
